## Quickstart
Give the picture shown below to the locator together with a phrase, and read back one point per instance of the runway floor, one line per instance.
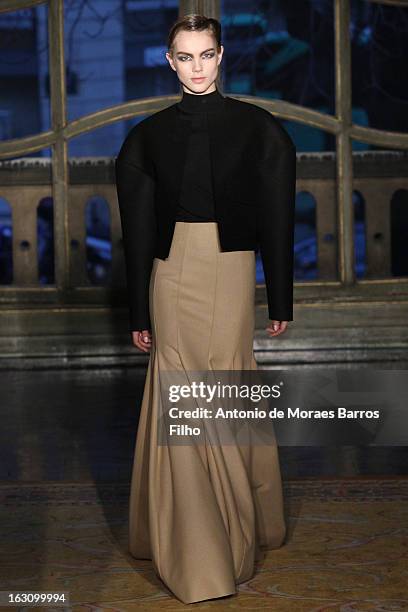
(80, 425)
(67, 441)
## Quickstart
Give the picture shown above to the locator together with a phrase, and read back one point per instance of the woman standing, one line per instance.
(201, 186)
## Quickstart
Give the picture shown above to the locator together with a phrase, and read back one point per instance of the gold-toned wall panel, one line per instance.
(79, 195)
(24, 204)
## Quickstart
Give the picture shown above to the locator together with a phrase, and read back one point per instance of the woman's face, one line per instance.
(195, 56)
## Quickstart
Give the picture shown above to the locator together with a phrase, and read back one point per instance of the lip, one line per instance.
(198, 79)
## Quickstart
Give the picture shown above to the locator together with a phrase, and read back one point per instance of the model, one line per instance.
(201, 186)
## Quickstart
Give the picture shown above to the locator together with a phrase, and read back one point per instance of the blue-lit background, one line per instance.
(115, 51)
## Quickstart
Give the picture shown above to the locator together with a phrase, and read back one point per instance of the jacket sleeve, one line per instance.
(276, 177)
(135, 188)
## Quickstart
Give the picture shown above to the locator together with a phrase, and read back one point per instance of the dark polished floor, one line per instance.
(80, 425)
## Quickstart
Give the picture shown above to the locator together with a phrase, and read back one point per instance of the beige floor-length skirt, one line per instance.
(201, 513)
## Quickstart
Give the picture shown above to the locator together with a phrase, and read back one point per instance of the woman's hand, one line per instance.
(142, 339)
(276, 327)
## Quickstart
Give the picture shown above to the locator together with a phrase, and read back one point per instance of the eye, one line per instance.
(183, 58)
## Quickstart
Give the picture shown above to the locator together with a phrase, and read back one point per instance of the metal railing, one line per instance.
(69, 286)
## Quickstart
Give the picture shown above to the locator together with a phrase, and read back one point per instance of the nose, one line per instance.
(197, 67)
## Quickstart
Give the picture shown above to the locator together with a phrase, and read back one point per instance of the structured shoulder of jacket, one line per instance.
(269, 124)
(161, 116)
(256, 112)
(151, 121)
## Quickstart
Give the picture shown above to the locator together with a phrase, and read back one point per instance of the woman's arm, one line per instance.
(276, 177)
(135, 189)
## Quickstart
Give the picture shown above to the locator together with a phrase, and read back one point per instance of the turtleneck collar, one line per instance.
(199, 103)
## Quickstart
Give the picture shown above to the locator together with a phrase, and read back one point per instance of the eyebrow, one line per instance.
(185, 53)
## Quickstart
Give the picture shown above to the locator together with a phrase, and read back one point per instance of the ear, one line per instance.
(170, 60)
(220, 54)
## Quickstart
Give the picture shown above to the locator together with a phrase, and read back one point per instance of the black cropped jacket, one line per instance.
(254, 175)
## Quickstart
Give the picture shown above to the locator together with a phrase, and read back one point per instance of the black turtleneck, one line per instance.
(196, 202)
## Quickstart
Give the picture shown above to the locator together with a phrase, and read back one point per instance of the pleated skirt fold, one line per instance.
(201, 513)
